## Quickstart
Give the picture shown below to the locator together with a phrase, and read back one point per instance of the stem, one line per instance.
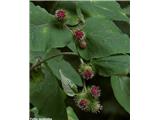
(40, 62)
(68, 28)
(81, 60)
(73, 41)
(84, 83)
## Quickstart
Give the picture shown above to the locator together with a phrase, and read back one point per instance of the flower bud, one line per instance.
(86, 71)
(83, 104)
(79, 35)
(83, 44)
(96, 107)
(95, 91)
(60, 14)
(86, 102)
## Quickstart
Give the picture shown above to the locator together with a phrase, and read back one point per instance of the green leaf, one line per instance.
(103, 38)
(112, 65)
(100, 23)
(39, 16)
(72, 46)
(72, 19)
(108, 9)
(67, 70)
(121, 89)
(79, 13)
(71, 114)
(38, 38)
(68, 86)
(48, 97)
(46, 34)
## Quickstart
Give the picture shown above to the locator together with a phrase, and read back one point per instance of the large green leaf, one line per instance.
(47, 96)
(108, 9)
(103, 38)
(112, 65)
(71, 114)
(46, 33)
(101, 23)
(38, 38)
(47, 36)
(121, 89)
(39, 16)
(67, 70)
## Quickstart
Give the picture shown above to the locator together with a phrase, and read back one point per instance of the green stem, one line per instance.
(68, 28)
(42, 61)
(84, 85)
(81, 60)
(73, 41)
